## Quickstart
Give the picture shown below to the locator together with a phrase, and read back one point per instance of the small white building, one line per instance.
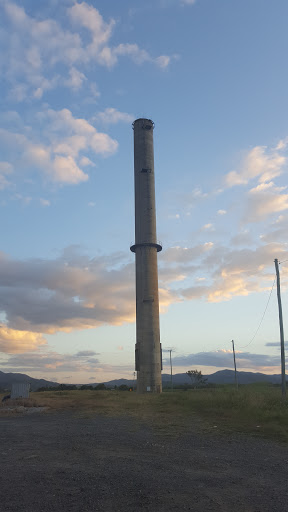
(20, 390)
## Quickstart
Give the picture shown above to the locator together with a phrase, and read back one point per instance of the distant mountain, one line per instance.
(6, 380)
(220, 377)
(228, 377)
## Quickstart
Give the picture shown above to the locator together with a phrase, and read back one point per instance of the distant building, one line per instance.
(20, 390)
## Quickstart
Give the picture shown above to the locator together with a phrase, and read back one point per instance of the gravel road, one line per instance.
(58, 462)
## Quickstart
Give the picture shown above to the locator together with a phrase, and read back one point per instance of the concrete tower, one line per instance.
(148, 349)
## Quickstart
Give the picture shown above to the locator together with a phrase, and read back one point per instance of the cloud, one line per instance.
(264, 200)
(260, 162)
(67, 293)
(71, 292)
(224, 359)
(243, 238)
(221, 212)
(5, 169)
(13, 341)
(163, 61)
(60, 366)
(174, 216)
(89, 17)
(277, 231)
(282, 144)
(38, 47)
(228, 273)
(176, 255)
(224, 273)
(59, 153)
(227, 286)
(76, 79)
(25, 200)
(138, 55)
(76, 292)
(113, 116)
(45, 361)
(44, 202)
(86, 353)
(84, 161)
(277, 344)
(208, 227)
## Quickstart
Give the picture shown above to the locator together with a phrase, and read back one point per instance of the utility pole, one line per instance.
(236, 381)
(171, 369)
(281, 330)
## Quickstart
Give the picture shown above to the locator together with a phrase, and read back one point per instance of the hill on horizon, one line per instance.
(219, 377)
(6, 380)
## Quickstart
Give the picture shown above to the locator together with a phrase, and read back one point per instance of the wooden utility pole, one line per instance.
(236, 381)
(171, 369)
(281, 330)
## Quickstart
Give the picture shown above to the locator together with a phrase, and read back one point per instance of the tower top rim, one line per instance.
(143, 121)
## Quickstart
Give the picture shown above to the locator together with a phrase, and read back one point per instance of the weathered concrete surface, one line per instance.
(148, 353)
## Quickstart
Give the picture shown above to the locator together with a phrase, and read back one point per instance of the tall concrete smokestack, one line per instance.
(148, 349)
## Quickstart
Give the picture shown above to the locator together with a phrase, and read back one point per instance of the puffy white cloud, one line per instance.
(261, 163)
(264, 200)
(132, 50)
(59, 157)
(84, 161)
(76, 79)
(13, 341)
(221, 212)
(65, 170)
(37, 46)
(113, 116)
(90, 18)
(228, 273)
(282, 144)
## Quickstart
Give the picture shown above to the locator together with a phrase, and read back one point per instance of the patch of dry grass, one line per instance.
(254, 409)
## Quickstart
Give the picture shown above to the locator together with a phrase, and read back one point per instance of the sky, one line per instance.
(212, 75)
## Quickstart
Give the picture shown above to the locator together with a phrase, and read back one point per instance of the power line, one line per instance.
(262, 317)
(280, 262)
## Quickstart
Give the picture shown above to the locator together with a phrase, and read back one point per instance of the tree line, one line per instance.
(84, 387)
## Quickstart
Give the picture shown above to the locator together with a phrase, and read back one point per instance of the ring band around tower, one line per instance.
(157, 246)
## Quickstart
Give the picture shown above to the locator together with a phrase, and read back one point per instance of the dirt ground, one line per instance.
(60, 462)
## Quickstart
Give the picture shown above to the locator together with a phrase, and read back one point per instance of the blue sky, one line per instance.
(213, 77)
